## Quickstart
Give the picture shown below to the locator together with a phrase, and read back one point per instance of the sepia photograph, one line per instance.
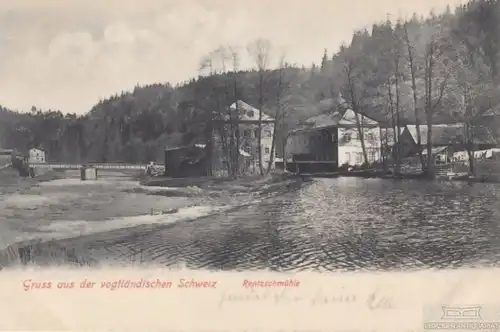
(324, 136)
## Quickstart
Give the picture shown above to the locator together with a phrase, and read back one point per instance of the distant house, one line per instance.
(327, 141)
(37, 156)
(463, 156)
(446, 140)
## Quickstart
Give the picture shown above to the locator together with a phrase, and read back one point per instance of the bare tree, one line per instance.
(473, 91)
(397, 52)
(281, 87)
(223, 54)
(411, 57)
(260, 50)
(227, 127)
(215, 61)
(354, 93)
(206, 63)
(393, 123)
(436, 76)
(235, 125)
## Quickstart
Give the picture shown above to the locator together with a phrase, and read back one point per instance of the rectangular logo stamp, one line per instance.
(461, 318)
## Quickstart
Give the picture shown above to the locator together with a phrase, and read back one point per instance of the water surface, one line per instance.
(329, 224)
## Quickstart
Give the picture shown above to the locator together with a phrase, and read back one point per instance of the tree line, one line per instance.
(422, 71)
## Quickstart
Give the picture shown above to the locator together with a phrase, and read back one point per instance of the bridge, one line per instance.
(109, 166)
(89, 170)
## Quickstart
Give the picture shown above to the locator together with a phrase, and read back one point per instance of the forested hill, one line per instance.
(138, 125)
(446, 62)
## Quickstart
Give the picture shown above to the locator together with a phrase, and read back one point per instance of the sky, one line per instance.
(68, 54)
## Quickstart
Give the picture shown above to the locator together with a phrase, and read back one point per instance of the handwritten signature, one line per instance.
(373, 301)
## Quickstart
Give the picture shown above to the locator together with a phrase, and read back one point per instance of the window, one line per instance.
(370, 137)
(256, 131)
(247, 133)
(347, 137)
(250, 114)
(348, 157)
(267, 133)
(359, 158)
(371, 156)
(266, 150)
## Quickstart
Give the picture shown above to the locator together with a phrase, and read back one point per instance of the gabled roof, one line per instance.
(435, 150)
(494, 111)
(324, 120)
(450, 134)
(441, 134)
(185, 147)
(338, 118)
(248, 112)
(199, 146)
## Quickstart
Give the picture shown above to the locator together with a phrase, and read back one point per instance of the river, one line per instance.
(323, 225)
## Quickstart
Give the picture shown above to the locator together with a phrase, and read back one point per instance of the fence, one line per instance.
(489, 168)
(485, 168)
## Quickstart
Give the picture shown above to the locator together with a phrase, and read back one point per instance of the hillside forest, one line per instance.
(442, 68)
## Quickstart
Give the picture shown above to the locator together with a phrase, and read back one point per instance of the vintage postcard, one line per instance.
(218, 165)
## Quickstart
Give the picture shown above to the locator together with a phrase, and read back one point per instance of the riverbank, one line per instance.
(240, 222)
(208, 181)
(401, 176)
(167, 206)
(11, 181)
(327, 224)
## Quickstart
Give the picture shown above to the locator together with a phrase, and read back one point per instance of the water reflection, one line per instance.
(330, 224)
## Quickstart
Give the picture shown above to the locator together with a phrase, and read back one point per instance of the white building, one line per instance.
(37, 156)
(249, 129)
(328, 141)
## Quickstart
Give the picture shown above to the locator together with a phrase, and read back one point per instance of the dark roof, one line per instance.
(333, 119)
(450, 134)
(324, 120)
(184, 147)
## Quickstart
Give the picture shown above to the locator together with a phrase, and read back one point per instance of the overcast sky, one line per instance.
(66, 54)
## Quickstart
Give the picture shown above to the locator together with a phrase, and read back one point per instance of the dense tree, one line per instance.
(439, 69)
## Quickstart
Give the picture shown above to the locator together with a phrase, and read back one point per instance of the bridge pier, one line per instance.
(83, 176)
(88, 173)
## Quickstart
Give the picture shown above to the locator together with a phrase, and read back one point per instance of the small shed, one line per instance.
(441, 154)
(37, 156)
(186, 161)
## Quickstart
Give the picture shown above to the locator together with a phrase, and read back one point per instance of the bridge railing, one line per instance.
(94, 165)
